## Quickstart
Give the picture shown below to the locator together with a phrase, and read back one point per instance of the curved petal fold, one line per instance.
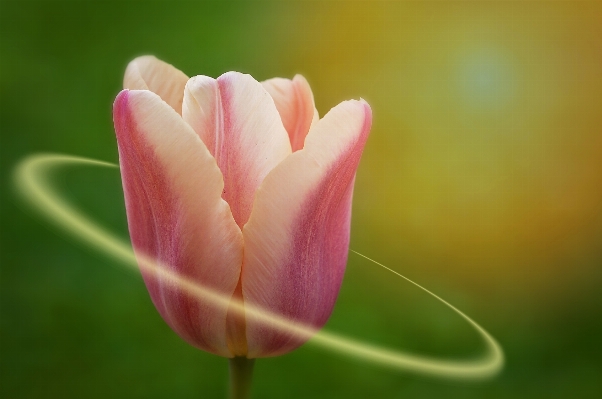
(295, 103)
(297, 237)
(176, 215)
(149, 73)
(237, 120)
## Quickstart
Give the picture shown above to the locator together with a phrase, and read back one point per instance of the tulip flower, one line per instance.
(238, 186)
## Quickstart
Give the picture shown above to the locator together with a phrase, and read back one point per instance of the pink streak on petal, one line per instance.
(172, 189)
(295, 103)
(238, 121)
(297, 238)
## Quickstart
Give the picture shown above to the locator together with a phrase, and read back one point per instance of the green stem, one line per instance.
(241, 374)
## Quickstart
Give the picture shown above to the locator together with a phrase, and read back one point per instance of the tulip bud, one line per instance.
(240, 187)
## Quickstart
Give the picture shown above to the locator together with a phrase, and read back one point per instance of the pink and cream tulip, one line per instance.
(238, 186)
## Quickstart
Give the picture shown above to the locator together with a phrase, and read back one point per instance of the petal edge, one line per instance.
(297, 238)
(175, 213)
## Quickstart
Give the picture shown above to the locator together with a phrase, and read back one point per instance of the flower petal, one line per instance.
(297, 238)
(149, 73)
(295, 103)
(237, 119)
(176, 215)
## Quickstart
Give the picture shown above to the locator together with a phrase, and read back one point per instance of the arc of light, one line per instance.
(31, 181)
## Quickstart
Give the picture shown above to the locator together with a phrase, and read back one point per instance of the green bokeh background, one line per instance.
(482, 180)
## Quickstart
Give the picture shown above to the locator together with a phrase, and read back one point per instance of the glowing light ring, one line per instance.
(31, 182)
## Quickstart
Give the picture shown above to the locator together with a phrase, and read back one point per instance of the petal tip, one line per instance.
(230, 74)
(122, 93)
(367, 107)
(198, 81)
(143, 58)
(120, 102)
(364, 106)
(300, 78)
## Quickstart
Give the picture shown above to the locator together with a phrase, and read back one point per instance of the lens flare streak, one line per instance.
(31, 178)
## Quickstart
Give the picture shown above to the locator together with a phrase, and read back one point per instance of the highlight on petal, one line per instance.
(176, 215)
(295, 103)
(149, 73)
(297, 238)
(237, 120)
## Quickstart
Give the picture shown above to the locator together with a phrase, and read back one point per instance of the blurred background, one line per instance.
(482, 181)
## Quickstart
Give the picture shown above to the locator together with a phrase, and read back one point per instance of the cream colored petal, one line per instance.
(149, 73)
(295, 103)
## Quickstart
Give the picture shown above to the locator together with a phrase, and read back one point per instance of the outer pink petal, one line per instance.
(176, 215)
(295, 103)
(297, 238)
(150, 73)
(237, 120)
